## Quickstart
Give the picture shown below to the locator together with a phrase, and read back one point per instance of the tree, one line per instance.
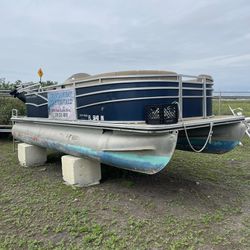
(8, 85)
(5, 85)
(48, 83)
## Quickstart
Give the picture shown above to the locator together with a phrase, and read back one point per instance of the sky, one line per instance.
(64, 37)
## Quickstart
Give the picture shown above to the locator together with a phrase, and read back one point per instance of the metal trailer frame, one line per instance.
(5, 128)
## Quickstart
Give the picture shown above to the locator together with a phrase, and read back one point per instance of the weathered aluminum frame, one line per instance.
(5, 128)
(188, 123)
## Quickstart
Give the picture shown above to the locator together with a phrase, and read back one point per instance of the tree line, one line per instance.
(6, 85)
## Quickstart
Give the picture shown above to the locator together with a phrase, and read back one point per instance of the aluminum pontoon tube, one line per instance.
(145, 153)
(225, 137)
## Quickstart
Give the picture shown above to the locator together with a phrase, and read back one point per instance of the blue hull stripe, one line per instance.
(216, 146)
(148, 164)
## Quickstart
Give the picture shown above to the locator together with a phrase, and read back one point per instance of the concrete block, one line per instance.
(80, 171)
(30, 155)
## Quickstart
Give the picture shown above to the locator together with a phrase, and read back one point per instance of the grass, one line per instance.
(200, 201)
(223, 108)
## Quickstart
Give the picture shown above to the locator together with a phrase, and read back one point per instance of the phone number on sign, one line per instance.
(64, 115)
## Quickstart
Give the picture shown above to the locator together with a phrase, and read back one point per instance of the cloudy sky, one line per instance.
(93, 36)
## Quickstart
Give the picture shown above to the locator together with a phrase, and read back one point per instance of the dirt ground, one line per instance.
(200, 201)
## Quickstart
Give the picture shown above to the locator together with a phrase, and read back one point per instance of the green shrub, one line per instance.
(6, 106)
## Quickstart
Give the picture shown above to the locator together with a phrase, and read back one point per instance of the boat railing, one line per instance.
(200, 80)
(101, 78)
(28, 87)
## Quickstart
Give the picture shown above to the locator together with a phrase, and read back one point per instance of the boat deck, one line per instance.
(190, 123)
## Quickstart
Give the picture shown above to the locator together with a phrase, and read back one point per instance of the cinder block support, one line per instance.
(80, 171)
(30, 155)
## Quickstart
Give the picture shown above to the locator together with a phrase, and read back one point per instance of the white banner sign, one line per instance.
(61, 104)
